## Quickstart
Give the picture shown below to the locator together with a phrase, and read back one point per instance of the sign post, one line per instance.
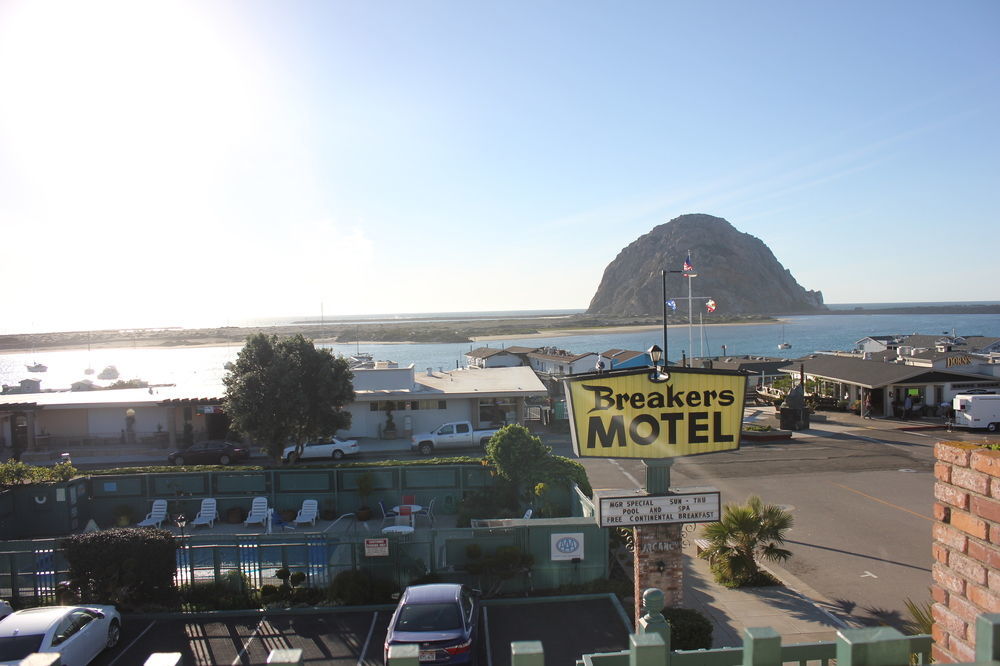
(657, 414)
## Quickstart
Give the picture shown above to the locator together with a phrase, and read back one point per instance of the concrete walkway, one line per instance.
(797, 617)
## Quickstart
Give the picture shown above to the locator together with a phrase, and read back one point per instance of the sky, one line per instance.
(205, 163)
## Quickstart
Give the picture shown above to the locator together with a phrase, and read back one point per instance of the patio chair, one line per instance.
(259, 511)
(207, 515)
(527, 514)
(308, 513)
(278, 524)
(155, 517)
(427, 512)
(386, 514)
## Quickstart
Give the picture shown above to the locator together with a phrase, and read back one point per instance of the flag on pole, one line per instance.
(672, 305)
(710, 305)
(688, 268)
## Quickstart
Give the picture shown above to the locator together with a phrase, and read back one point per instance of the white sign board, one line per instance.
(567, 546)
(377, 547)
(688, 507)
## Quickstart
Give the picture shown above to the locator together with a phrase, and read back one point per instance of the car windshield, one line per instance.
(429, 617)
(13, 648)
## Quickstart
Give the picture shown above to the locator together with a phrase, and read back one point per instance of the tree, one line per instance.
(746, 533)
(528, 466)
(284, 390)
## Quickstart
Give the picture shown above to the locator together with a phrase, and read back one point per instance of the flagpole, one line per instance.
(690, 316)
(666, 350)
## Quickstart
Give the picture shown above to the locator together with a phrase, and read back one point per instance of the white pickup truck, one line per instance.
(453, 435)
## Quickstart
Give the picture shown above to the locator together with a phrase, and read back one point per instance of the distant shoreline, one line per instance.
(426, 331)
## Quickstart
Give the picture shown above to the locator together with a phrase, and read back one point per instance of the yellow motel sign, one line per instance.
(647, 414)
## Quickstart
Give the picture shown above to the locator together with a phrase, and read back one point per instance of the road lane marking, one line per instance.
(486, 637)
(868, 574)
(876, 499)
(627, 475)
(127, 648)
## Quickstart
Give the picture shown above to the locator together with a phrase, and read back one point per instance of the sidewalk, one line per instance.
(787, 609)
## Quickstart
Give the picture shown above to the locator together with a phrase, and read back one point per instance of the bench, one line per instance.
(701, 545)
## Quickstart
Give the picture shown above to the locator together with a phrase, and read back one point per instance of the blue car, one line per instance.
(441, 618)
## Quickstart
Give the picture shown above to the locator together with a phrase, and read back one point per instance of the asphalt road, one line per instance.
(861, 494)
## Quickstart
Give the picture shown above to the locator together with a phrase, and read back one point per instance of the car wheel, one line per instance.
(224, 460)
(179, 460)
(337, 454)
(992, 427)
(114, 634)
(426, 448)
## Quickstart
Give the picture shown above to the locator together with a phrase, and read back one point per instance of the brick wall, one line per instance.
(658, 547)
(966, 546)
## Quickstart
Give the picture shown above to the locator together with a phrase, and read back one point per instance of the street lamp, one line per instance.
(655, 354)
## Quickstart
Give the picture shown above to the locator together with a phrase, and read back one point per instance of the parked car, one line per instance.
(333, 449)
(453, 435)
(441, 618)
(212, 452)
(77, 633)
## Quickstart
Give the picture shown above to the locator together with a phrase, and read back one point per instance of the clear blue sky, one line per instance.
(185, 163)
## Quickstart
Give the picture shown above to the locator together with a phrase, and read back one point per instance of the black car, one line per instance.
(212, 452)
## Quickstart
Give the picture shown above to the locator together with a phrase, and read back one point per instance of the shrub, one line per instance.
(231, 592)
(689, 629)
(354, 587)
(128, 567)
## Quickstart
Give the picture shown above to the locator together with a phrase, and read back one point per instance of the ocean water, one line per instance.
(805, 333)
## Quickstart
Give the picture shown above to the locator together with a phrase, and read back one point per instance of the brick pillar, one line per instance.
(966, 547)
(659, 547)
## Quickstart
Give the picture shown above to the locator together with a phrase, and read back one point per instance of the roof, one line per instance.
(873, 374)
(521, 350)
(486, 352)
(560, 355)
(621, 355)
(210, 393)
(469, 382)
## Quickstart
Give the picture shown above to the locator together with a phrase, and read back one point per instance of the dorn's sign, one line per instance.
(646, 414)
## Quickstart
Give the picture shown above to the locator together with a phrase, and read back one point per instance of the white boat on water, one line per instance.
(37, 367)
(110, 372)
(783, 344)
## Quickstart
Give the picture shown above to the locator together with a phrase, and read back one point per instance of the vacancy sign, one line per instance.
(655, 413)
(689, 507)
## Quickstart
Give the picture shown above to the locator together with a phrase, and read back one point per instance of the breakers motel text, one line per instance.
(644, 414)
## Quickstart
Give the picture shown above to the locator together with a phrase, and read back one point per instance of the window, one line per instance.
(462, 428)
(447, 430)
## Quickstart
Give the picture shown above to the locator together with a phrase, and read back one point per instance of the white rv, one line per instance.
(977, 411)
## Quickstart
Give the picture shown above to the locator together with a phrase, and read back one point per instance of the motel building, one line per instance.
(158, 417)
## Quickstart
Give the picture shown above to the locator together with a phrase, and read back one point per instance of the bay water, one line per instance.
(806, 334)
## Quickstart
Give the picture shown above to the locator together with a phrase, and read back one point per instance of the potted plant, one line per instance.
(366, 484)
(390, 424)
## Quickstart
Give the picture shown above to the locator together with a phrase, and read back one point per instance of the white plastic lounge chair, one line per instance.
(308, 513)
(527, 514)
(207, 515)
(386, 514)
(427, 512)
(155, 517)
(258, 512)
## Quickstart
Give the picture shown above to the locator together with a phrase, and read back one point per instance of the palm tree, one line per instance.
(747, 533)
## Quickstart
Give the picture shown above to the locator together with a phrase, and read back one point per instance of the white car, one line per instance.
(77, 633)
(335, 449)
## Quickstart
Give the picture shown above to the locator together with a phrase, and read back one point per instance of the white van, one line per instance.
(977, 411)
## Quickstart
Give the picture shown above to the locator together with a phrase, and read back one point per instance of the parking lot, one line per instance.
(567, 627)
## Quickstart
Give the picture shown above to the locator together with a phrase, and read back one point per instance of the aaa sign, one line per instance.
(643, 414)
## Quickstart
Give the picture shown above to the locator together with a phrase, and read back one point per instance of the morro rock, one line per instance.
(735, 269)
